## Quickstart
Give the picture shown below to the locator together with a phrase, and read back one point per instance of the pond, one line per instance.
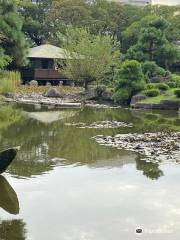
(63, 185)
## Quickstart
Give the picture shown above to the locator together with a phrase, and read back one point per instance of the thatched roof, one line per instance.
(48, 51)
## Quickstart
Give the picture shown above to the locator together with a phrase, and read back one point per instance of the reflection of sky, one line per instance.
(169, 2)
(97, 204)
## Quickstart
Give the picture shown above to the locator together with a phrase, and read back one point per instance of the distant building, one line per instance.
(134, 2)
(42, 65)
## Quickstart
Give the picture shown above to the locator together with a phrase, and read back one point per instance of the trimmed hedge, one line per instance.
(172, 84)
(150, 85)
(162, 86)
(177, 93)
(152, 92)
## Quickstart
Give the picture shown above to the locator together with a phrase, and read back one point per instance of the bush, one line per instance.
(151, 69)
(177, 93)
(152, 92)
(129, 79)
(171, 84)
(121, 96)
(150, 86)
(162, 86)
(176, 79)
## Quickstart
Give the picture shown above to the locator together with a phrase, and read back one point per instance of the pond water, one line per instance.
(64, 186)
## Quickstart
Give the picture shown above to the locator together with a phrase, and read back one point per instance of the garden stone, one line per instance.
(53, 92)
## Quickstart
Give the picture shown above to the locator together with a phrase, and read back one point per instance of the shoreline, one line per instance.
(77, 101)
(67, 101)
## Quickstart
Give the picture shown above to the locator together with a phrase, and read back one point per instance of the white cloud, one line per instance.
(169, 2)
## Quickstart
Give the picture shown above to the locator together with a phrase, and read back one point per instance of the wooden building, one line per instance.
(42, 65)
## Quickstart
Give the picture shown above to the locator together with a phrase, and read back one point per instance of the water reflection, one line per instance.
(106, 196)
(46, 144)
(8, 197)
(149, 169)
(12, 230)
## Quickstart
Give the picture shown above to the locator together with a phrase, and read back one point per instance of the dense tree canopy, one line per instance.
(12, 40)
(131, 26)
(153, 45)
(88, 55)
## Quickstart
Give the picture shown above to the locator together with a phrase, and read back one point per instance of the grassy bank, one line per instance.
(166, 95)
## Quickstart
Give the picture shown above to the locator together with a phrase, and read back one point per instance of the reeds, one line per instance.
(9, 81)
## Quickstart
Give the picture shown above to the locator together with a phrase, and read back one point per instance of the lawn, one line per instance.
(167, 95)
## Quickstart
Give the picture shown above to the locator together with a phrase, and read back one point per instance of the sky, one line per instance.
(169, 2)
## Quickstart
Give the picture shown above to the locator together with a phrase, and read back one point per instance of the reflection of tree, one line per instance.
(41, 142)
(149, 169)
(30, 168)
(12, 230)
(9, 116)
(8, 198)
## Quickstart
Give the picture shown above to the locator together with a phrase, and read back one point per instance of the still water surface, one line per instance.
(64, 186)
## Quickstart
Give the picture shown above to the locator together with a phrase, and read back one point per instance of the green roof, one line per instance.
(48, 51)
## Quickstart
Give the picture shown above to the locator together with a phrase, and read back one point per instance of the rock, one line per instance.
(33, 83)
(137, 98)
(107, 95)
(9, 95)
(101, 124)
(53, 92)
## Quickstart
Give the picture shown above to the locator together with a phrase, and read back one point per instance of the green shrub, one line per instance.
(152, 92)
(121, 96)
(171, 84)
(150, 86)
(151, 69)
(177, 93)
(129, 80)
(162, 86)
(176, 79)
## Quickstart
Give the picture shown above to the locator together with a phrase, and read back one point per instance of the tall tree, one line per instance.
(88, 55)
(12, 40)
(34, 15)
(153, 45)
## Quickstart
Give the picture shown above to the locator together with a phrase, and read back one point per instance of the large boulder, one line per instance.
(137, 98)
(53, 92)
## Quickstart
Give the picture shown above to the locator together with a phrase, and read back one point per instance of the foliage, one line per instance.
(109, 73)
(121, 96)
(88, 55)
(4, 59)
(151, 69)
(153, 45)
(176, 79)
(12, 39)
(34, 20)
(152, 92)
(150, 85)
(129, 79)
(177, 93)
(172, 84)
(9, 81)
(162, 86)
(9, 116)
